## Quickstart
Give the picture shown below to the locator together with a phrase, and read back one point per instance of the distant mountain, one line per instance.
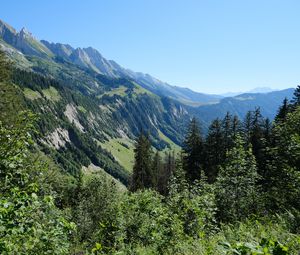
(261, 90)
(239, 105)
(255, 90)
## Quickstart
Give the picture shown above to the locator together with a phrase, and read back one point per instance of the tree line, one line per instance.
(254, 164)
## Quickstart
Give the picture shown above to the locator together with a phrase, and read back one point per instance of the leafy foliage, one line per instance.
(30, 223)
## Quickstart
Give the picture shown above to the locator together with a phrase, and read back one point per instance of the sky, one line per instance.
(211, 46)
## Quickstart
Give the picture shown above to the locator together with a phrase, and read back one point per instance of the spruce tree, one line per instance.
(5, 68)
(193, 152)
(157, 168)
(166, 172)
(284, 109)
(10, 96)
(227, 128)
(283, 165)
(247, 127)
(236, 185)
(235, 127)
(214, 150)
(142, 176)
(296, 99)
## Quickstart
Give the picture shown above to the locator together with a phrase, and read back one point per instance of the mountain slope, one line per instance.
(79, 130)
(239, 105)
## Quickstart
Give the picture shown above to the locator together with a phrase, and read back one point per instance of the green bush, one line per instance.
(29, 223)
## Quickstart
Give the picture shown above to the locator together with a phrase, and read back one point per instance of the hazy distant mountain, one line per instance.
(261, 90)
(240, 104)
(255, 90)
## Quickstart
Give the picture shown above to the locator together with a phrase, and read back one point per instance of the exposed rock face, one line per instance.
(71, 114)
(23, 41)
(58, 138)
(59, 49)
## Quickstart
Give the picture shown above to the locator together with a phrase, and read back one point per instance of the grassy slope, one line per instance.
(92, 169)
(124, 155)
(51, 94)
(31, 94)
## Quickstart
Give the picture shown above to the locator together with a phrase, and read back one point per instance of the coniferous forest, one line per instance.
(234, 189)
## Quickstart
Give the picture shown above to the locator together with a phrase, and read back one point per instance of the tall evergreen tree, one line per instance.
(284, 109)
(10, 96)
(167, 170)
(236, 184)
(283, 164)
(247, 127)
(267, 131)
(227, 128)
(5, 68)
(142, 176)
(257, 139)
(193, 152)
(296, 99)
(157, 168)
(235, 127)
(214, 150)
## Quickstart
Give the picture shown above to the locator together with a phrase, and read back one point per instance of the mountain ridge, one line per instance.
(91, 58)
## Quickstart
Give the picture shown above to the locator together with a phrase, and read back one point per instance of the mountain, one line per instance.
(255, 90)
(91, 109)
(240, 104)
(92, 59)
(261, 90)
(23, 41)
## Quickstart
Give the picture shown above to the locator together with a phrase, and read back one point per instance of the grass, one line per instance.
(120, 91)
(92, 169)
(140, 90)
(196, 104)
(31, 94)
(174, 147)
(81, 108)
(51, 94)
(123, 150)
(122, 154)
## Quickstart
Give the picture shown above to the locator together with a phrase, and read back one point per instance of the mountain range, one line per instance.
(91, 109)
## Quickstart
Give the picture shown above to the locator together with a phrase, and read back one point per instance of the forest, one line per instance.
(235, 190)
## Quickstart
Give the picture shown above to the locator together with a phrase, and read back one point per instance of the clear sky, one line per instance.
(209, 46)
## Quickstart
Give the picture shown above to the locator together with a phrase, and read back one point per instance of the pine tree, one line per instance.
(166, 172)
(267, 131)
(235, 127)
(193, 152)
(236, 184)
(247, 127)
(283, 165)
(214, 150)
(157, 168)
(296, 99)
(227, 128)
(10, 96)
(5, 68)
(284, 109)
(142, 176)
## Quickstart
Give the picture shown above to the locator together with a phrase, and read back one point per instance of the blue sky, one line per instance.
(209, 46)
